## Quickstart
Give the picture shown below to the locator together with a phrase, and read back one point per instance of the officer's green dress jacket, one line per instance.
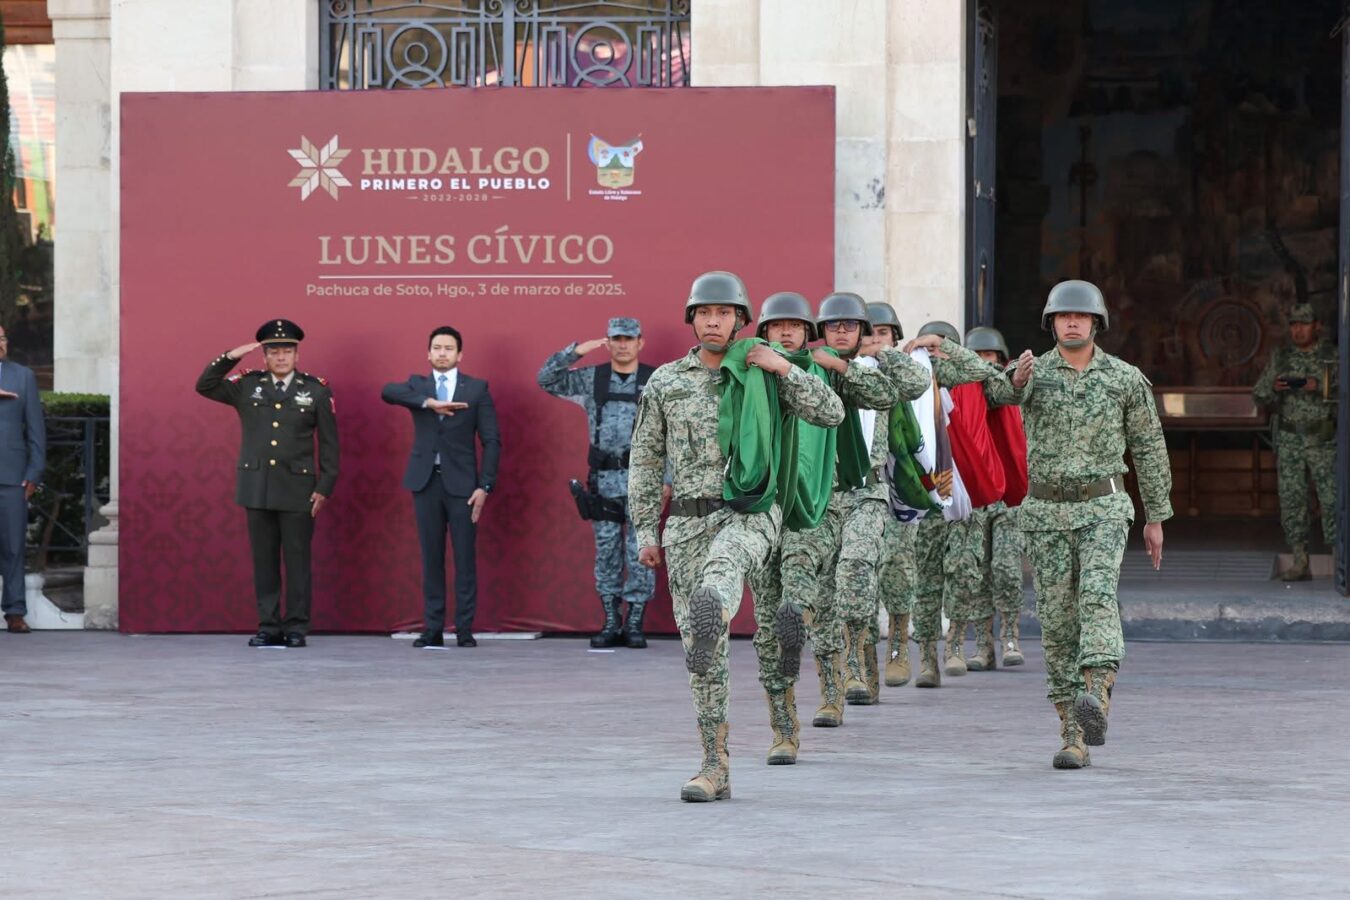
(277, 468)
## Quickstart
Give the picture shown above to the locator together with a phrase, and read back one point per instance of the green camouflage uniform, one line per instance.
(983, 564)
(677, 422)
(897, 568)
(937, 539)
(1305, 439)
(1079, 426)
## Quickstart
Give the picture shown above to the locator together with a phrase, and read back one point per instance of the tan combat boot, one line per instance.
(1298, 570)
(713, 781)
(1074, 754)
(1010, 635)
(930, 676)
(1093, 705)
(831, 711)
(856, 690)
(786, 728)
(954, 653)
(983, 660)
(897, 652)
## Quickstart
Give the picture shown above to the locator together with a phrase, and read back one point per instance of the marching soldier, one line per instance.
(609, 393)
(711, 547)
(1083, 409)
(1294, 383)
(280, 484)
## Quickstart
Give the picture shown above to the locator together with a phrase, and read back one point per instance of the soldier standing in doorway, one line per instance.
(1083, 409)
(609, 393)
(1294, 383)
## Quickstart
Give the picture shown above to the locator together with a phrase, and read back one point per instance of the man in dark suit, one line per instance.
(449, 408)
(23, 456)
(279, 484)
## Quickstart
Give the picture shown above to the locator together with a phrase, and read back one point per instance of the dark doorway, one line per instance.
(1185, 156)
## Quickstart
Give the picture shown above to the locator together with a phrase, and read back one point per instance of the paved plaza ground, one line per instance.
(359, 767)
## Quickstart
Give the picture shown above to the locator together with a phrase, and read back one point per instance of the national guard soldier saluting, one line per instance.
(609, 393)
(279, 484)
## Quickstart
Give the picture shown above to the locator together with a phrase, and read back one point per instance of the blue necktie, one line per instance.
(441, 393)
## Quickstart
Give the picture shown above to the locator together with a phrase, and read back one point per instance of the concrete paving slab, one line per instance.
(359, 767)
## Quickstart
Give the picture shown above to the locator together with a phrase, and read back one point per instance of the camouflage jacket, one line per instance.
(616, 423)
(677, 422)
(1298, 407)
(1079, 425)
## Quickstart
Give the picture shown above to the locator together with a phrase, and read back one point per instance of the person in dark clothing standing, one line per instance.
(280, 484)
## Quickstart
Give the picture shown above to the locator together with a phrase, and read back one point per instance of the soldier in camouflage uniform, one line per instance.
(610, 409)
(1083, 409)
(711, 549)
(785, 319)
(895, 581)
(997, 540)
(1305, 432)
(946, 552)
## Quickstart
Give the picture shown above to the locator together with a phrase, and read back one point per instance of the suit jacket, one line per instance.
(450, 436)
(277, 468)
(23, 434)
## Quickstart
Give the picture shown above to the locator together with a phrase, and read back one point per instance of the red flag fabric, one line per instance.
(973, 446)
(1010, 440)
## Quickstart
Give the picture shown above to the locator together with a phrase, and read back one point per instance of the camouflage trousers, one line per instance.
(723, 557)
(896, 581)
(862, 545)
(1076, 574)
(807, 573)
(766, 592)
(930, 548)
(991, 540)
(615, 547)
(1299, 460)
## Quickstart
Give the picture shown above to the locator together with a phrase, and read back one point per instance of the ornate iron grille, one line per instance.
(512, 43)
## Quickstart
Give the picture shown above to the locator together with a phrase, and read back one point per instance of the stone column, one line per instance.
(926, 162)
(86, 312)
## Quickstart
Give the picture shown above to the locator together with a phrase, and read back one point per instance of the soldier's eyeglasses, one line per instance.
(845, 327)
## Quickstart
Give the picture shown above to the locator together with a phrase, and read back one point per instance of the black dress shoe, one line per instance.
(466, 641)
(429, 640)
(295, 640)
(265, 639)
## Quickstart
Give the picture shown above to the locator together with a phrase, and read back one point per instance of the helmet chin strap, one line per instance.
(1077, 343)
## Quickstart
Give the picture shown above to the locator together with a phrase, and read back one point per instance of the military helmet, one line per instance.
(985, 338)
(717, 289)
(842, 306)
(1075, 296)
(884, 314)
(945, 329)
(1302, 312)
(787, 306)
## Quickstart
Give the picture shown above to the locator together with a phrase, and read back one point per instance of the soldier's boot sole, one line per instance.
(782, 754)
(705, 628)
(1087, 709)
(928, 679)
(790, 629)
(702, 790)
(1013, 657)
(981, 663)
(638, 644)
(827, 717)
(856, 693)
(956, 667)
(1071, 758)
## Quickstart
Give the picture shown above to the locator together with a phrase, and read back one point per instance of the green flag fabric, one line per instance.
(749, 431)
(907, 476)
(806, 479)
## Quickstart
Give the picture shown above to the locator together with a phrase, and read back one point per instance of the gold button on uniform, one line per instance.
(271, 462)
(274, 443)
(276, 424)
(278, 406)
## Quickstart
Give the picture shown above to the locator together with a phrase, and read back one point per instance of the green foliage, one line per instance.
(64, 404)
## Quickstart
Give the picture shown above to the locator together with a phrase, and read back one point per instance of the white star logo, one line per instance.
(319, 168)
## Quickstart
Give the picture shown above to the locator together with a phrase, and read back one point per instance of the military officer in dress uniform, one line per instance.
(280, 484)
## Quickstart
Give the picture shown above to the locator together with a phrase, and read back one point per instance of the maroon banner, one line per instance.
(524, 218)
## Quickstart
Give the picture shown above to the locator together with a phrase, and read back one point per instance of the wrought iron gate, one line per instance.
(511, 43)
(983, 163)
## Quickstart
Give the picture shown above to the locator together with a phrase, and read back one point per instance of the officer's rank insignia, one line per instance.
(257, 392)
(302, 398)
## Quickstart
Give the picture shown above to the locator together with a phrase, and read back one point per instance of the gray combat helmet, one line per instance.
(884, 314)
(985, 338)
(790, 307)
(842, 307)
(1075, 296)
(945, 329)
(717, 289)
